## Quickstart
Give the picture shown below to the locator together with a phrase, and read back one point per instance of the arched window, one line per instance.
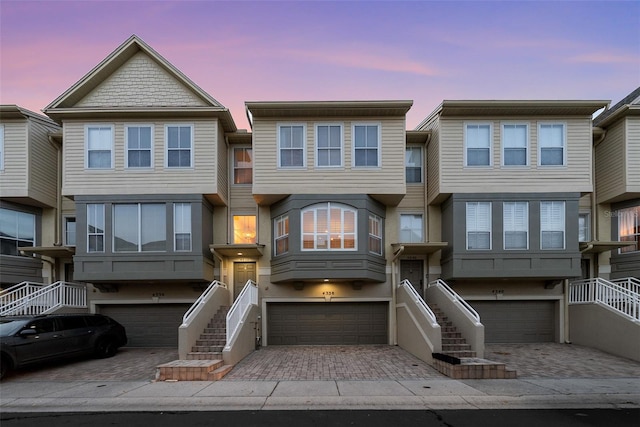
(329, 227)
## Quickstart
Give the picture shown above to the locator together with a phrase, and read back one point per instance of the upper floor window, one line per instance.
(95, 227)
(413, 164)
(242, 165)
(375, 234)
(516, 225)
(366, 145)
(552, 225)
(551, 140)
(138, 146)
(411, 228)
(281, 235)
(515, 145)
(328, 145)
(477, 141)
(478, 225)
(584, 227)
(1, 147)
(179, 146)
(182, 227)
(99, 147)
(69, 231)
(329, 226)
(291, 146)
(139, 227)
(17, 229)
(244, 229)
(629, 228)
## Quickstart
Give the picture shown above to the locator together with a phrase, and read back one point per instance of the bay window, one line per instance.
(478, 225)
(182, 227)
(629, 228)
(329, 226)
(516, 225)
(552, 225)
(281, 235)
(139, 227)
(17, 229)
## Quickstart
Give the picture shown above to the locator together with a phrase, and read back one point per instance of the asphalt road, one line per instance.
(462, 418)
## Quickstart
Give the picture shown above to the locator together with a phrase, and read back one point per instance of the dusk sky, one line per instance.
(425, 51)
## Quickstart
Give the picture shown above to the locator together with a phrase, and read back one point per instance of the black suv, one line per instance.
(32, 339)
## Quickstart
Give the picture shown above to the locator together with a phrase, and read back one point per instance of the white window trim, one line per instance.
(175, 249)
(66, 221)
(527, 145)
(126, 145)
(490, 124)
(233, 159)
(564, 145)
(353, 144)
(139, 221)
(422, 231)
(504, 230)
(166, 146)
(422, 162)
(564, 225)
(316, 126)
(276, 236)
(104, 231)
(2, 152)
(379, 237)
(314, 209)
(86, 145)
(304, 145)
(466, 234)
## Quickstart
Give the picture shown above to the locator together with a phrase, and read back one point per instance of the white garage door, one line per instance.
(148, 325)
(327, 323)
(517, 321)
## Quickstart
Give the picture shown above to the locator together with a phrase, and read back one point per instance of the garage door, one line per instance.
(327, 323)
(148, 325)
(517, 321)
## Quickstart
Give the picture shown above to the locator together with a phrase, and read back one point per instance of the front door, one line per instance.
(242, 271)
(412, 270)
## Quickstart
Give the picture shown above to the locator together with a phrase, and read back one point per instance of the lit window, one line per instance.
(375, 234)
(413, 164)
(139, 227)
(179, 146)
(329, 145)
(551, 140)
(328, 226)
(139, 147)
(99, 147)
(244, 229)
(516, 225)
(182, 227)
(478, 145)
(514, 145)
(629, 228)
(17, 230)
(478, 225)
(95, 227)
(366, 143)
(411, 228)
(281, 235)
(291, 144)
(552, 225)
(242, 166)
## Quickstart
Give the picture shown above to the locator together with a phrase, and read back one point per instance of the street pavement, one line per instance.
(550, 376)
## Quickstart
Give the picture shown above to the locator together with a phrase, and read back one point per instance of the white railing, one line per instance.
(453, 295)
(18, 291)
(202, 299)
(630, 283)
(248, 297)
(419, 301)
(610, 294)
(46, 298)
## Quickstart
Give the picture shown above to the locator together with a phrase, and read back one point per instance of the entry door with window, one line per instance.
(242, 271)
(413, 270)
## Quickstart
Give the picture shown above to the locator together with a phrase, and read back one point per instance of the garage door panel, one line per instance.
(326, 323)
(517, 321)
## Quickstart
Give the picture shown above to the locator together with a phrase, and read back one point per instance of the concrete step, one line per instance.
(210, 342)
(204, 355)
(450, 334)
(446, 348)
(207, 348)
(191, 370)
(448, 340)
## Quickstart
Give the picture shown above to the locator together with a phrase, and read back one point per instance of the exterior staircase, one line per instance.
(458, 361)
(204, 362)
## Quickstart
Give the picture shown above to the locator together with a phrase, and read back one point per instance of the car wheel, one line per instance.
(106, 347)
(4, 367)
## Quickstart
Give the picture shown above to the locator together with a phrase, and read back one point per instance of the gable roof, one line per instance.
(12, 111)
(65, 104)
(629, 102)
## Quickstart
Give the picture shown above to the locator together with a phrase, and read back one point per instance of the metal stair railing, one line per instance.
(46, 298)
(422, 305)
(248, 297)
(453, 295)
(630, 283)
(203, 298)
(610, 294)
(18, 291)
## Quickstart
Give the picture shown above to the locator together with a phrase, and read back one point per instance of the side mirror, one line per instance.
(27, 333)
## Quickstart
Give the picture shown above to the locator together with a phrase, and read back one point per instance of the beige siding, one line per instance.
(388, 179)
(13, 179)
(414, 197)
(223, 166)
(433, 162)
(633, 154)
(201, 179)
(609, 157)
(456, 178)
(43, 165)
(140, 82)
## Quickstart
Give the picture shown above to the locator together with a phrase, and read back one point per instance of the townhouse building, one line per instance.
(326, 205)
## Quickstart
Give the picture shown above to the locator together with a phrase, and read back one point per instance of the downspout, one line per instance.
(594, 204)
(58, 216)
(394, 330)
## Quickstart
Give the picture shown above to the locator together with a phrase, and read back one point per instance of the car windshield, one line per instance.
(11, 326)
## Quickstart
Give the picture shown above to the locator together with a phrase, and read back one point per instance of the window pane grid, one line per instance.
(478, 225)
(182, 226)
(552, 225)
(328, 227)
(95, 227)
(17, 230)
(366, 145)
(629, 228)
(516, 225)
(329, 145)
(179, 146)
(281, 235)
(139, 227)
(291, 150)
(478, 145)
(139, 146)
(242, 166)
(552, 144)
(99, 147)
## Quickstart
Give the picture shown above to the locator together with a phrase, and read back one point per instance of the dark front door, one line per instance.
(412, 270)
(242, 272)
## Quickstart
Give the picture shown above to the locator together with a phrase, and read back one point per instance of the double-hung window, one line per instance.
(17, 229)
(179, 140)
(478, 225)
(629, 228)
(95, 227)
(281, 235)
(552, 225)
(99, 147)
(411, 228)
(552, 144)
(366, 145)
(69, 231)
(477, 139)
(516, 225)
(328, 226)
(139, 227)
(413, 164)
(182, 227)
(515, 145)
(584, 227)
(329, 145)
(291, 146)
(242, 165)
(139, 148)
(375, 234)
